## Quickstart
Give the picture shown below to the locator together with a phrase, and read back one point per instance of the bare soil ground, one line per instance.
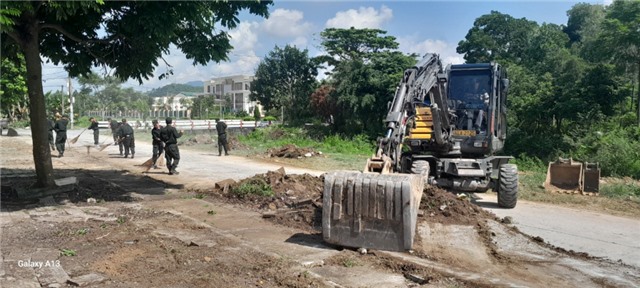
(143, 231)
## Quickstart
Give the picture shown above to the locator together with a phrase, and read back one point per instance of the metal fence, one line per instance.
(194, 125)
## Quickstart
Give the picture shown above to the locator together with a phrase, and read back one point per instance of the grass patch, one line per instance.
(276, 136)
(350, 262)
(252, 187)
(620, 190)
(68, 252)
(616, 198)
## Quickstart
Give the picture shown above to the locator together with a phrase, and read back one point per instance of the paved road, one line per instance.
(598, 234)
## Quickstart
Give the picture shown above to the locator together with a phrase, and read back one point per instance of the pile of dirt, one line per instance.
(290, 200)
(444, 207)
(296, 201)
(292, 151)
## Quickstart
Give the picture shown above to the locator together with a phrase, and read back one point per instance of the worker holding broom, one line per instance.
(169, 136)
(156, 142)
(96, 132)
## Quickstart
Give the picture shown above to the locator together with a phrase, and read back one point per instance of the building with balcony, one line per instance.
(235, 89)
(178, 105)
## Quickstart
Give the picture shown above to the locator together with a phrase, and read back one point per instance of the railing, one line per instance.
(190, 125)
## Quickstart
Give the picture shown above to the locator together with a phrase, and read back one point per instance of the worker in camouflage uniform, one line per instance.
(61, 134)
(50, 124)
(156, 142)
(221, 127)
(169, 136)
(96, 132)
(127, 139)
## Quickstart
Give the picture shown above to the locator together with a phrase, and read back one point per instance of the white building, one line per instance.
(178, 105)
(236, 88)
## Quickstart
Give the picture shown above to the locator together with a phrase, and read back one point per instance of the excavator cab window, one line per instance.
(469, 98)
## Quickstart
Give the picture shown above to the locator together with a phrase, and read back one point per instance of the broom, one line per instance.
(75, 139)
(104, 146)
(147, 164)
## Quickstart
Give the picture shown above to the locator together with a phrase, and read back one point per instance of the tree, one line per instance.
(256, 113)
(366, 72)
(621, 33)
(285, 79)
(496, 36)
(584, 21)
(353, 44)
(14, 88)
(128, 37)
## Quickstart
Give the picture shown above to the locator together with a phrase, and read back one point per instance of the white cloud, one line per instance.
(244, 37)
(300, 42)
(364, 17)
(607, 2)
(286, 23)
(447, 51)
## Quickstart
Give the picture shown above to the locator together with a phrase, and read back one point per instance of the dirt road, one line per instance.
(156, 231)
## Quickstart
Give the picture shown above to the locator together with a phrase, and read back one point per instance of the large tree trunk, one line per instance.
(37, 111)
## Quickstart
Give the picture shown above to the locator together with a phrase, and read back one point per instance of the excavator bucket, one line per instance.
(370, 210)
(591, 177)
(564, 174)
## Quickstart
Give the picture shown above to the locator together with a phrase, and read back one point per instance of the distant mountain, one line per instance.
(173, 89)
(195, 84)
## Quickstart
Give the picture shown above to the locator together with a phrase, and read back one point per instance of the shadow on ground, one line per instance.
(101, 185)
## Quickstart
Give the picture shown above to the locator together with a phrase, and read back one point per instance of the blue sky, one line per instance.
(419, 26)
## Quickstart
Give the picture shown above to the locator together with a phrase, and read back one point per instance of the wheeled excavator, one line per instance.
(443, 128)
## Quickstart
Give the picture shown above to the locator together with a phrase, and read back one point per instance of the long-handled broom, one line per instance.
(147, 164)
(75, 139)
(104, 146)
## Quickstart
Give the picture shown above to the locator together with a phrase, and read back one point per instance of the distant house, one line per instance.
(178, 105)
(236, 88)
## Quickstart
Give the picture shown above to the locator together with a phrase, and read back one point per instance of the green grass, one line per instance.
(620, 190)
(68, 252)
(276, 136)
(253, 187)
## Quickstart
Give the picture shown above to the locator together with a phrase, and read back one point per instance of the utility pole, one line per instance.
(62, 99)
(70, 101)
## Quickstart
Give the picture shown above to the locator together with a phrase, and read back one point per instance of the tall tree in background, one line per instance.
(285, 79)
(366, 71)
(621, 34)
(496, 36)
(128, 36)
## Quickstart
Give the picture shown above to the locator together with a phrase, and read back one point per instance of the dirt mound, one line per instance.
(289, 200)
(296, 201)
(292, 151)
(444, 207)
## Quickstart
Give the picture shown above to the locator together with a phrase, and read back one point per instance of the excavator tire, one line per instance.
(508, 186)
(420, 167)
(371, 210)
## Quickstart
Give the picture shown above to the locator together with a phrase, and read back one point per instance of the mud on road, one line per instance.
(120, 228)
